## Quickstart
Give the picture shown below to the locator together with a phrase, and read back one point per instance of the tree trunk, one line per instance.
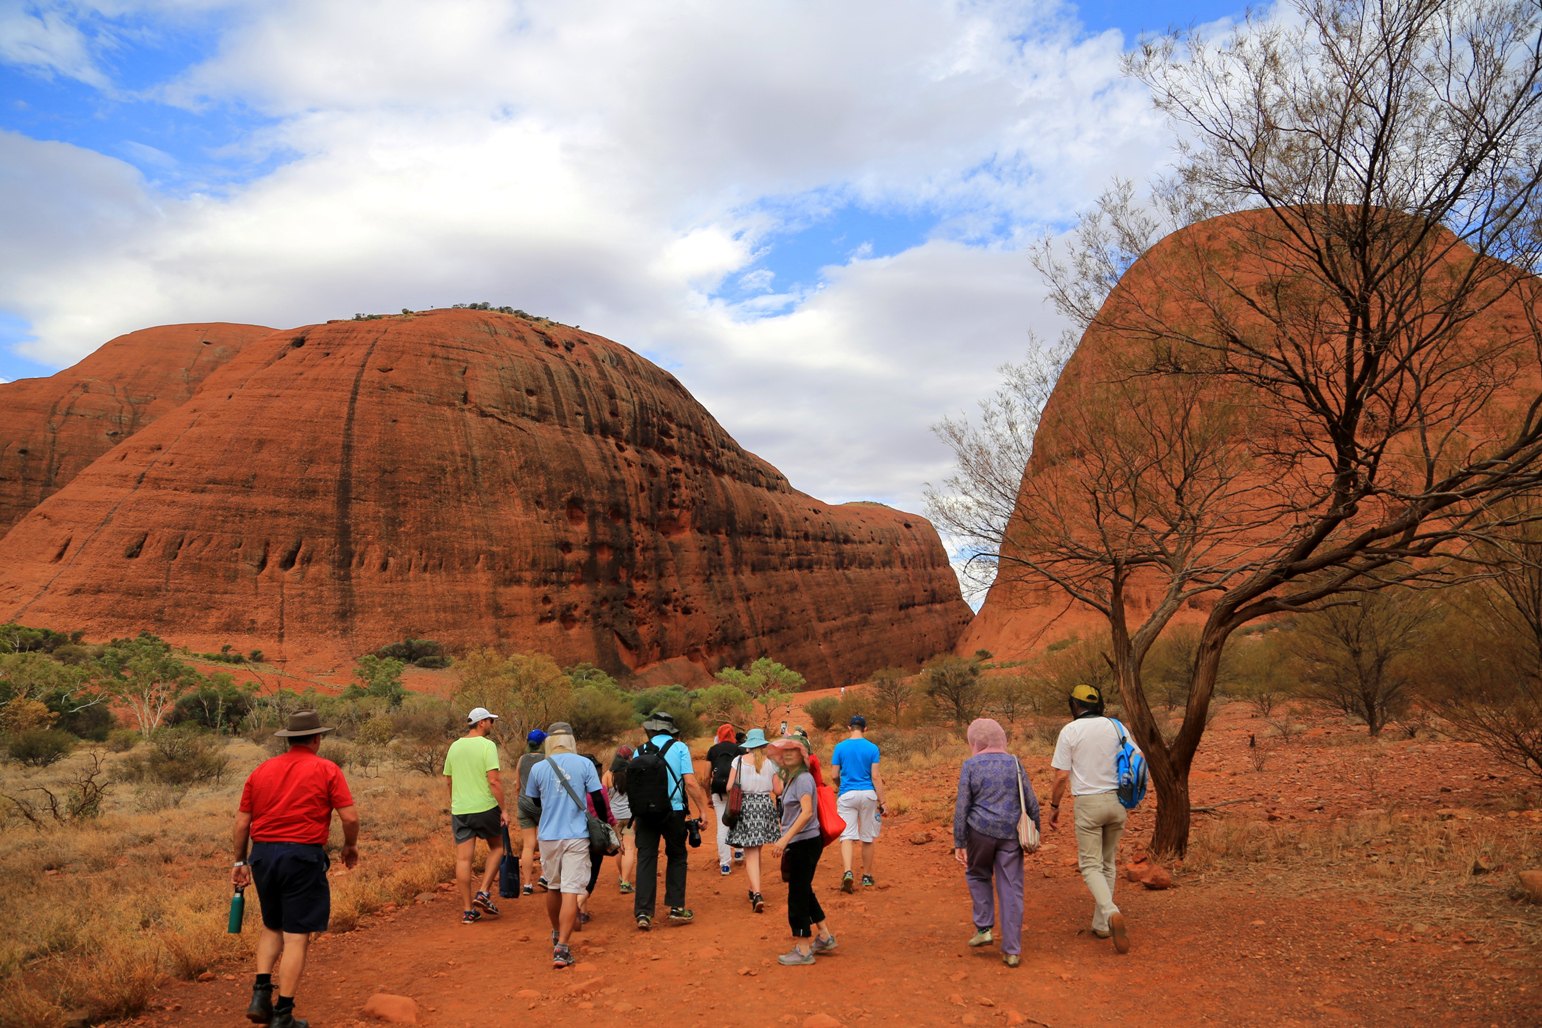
(1171, 837)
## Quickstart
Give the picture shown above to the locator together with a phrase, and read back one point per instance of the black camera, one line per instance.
(693, 832)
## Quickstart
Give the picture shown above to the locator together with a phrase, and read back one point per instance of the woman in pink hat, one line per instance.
(799, 847)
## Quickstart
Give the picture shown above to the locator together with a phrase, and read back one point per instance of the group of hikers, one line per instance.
(572, 810)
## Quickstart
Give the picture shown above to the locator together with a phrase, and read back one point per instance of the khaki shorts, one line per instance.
(859, 809)
(565, 865)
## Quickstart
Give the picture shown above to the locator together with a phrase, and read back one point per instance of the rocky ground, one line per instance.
(1337, 880)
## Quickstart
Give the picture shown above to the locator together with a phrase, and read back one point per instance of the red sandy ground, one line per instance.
(1248, 945)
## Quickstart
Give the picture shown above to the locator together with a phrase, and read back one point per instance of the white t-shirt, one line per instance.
(1087, 747)
(751, 780)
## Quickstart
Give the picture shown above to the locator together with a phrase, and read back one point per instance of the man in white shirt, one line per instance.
(1085, 759)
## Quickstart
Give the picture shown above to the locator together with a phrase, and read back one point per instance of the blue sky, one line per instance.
(816, 214)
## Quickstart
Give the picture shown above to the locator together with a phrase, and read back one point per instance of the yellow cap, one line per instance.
(1086, 694)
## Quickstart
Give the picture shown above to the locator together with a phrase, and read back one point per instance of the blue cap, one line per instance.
(535, 737)
(857, 721)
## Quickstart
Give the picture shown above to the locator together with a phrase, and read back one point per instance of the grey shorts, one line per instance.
(487, 824)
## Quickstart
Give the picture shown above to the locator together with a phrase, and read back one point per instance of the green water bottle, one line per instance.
(237, 910)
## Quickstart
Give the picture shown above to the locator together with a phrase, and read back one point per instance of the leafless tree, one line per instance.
(1361, 655)
(1323, 394)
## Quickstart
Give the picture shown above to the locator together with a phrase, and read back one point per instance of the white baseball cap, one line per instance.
(480, 714)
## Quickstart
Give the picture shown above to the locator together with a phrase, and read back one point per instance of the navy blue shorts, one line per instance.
(291, 880)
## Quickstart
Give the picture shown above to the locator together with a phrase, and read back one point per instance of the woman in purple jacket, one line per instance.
(985, 835)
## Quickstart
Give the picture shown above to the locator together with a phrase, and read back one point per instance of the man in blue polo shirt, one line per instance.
(860, 801)
(668, 825)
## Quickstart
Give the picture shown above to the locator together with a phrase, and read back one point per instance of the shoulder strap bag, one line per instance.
(602, 836)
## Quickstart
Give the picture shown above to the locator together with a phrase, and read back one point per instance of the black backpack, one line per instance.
(648, 780)
(722, 764)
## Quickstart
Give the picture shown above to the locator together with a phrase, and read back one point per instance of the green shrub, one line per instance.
(673, 699)
(601, 712)
(41, 747)
(184, 755)
(121, 740)
(411, 651)
(432, 662)
(218, 705)
(822, 712)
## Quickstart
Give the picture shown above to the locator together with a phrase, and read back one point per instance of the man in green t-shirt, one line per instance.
(476, 810)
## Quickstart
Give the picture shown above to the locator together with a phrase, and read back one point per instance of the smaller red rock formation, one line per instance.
(51, 428)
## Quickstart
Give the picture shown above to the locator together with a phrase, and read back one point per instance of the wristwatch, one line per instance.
(239, 863)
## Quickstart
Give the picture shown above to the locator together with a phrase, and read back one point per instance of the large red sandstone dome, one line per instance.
(1239, 274)
(476, 478)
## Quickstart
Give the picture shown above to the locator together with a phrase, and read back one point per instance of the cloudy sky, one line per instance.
(814, 212)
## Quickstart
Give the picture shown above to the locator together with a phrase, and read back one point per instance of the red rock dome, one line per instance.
(476, 478)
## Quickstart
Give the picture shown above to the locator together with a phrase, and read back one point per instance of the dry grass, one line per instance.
(141, 895)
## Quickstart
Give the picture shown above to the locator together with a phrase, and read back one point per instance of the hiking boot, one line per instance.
(825, 945)
(555, 937)
(561, 956)
(261, 1009)
(1121, 935)
(485, 901)
(644, 922)
(626, 888)
(757, 903)
(725, 870)
(584, 917)
(982, 937)
(526, 889)
(1011, 959)
(867, 881)
(793, 958)
(288, 1020)
(847, 881)
(541, 884)
(681, 915)
(471, 916)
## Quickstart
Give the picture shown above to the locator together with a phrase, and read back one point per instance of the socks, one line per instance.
(285, 1005)
(264, 981)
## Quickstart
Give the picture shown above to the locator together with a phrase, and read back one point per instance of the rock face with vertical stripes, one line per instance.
(477, 478)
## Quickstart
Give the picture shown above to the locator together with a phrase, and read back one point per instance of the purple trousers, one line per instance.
(1000, 860)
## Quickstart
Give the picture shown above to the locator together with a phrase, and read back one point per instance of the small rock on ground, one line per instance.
(383, 1006)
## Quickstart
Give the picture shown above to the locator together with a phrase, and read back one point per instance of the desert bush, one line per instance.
(218, 704)
(601, 711)
(722, 704)
(121, 740)
(40, 747)
(179, 756)
(84, 793)
(892, 692)
(768, 684)
(953, 684)
(377, 678)
(822, 712)
(673, 699)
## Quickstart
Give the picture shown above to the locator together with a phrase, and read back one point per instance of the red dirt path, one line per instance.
(1250, 944)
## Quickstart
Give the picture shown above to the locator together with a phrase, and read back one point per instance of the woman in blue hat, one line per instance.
(759, 821)
(528, 814)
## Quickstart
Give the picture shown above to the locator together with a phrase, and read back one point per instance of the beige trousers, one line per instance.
(1099, 824)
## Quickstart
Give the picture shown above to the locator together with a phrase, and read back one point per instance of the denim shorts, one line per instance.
(291, 881)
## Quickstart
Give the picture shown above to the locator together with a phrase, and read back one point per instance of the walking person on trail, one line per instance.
(527, 812)
(596, 856)
(859, 799)
(985, 836)
(719, 759)
(614, 781)
(560, 780)
(661, 784)
(284, 819)
(798, 848)
(759, 819)
(476, 810)
(1085, 755)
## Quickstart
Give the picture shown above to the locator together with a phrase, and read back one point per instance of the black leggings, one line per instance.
(799, 861)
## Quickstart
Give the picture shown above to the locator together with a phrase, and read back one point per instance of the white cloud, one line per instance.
(46, 40)
(613, 164)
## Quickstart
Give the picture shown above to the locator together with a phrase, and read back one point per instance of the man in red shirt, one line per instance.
(286, 815)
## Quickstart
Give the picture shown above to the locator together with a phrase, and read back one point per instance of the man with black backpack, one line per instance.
(660, 782)
(1086, 758)
(720, 759)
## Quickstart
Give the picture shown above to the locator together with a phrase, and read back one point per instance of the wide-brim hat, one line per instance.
(787, 742)
(661, 721)
(754, 740)
(302, 723)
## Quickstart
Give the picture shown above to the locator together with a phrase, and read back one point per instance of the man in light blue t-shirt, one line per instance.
(860, 801)
(563, 830)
